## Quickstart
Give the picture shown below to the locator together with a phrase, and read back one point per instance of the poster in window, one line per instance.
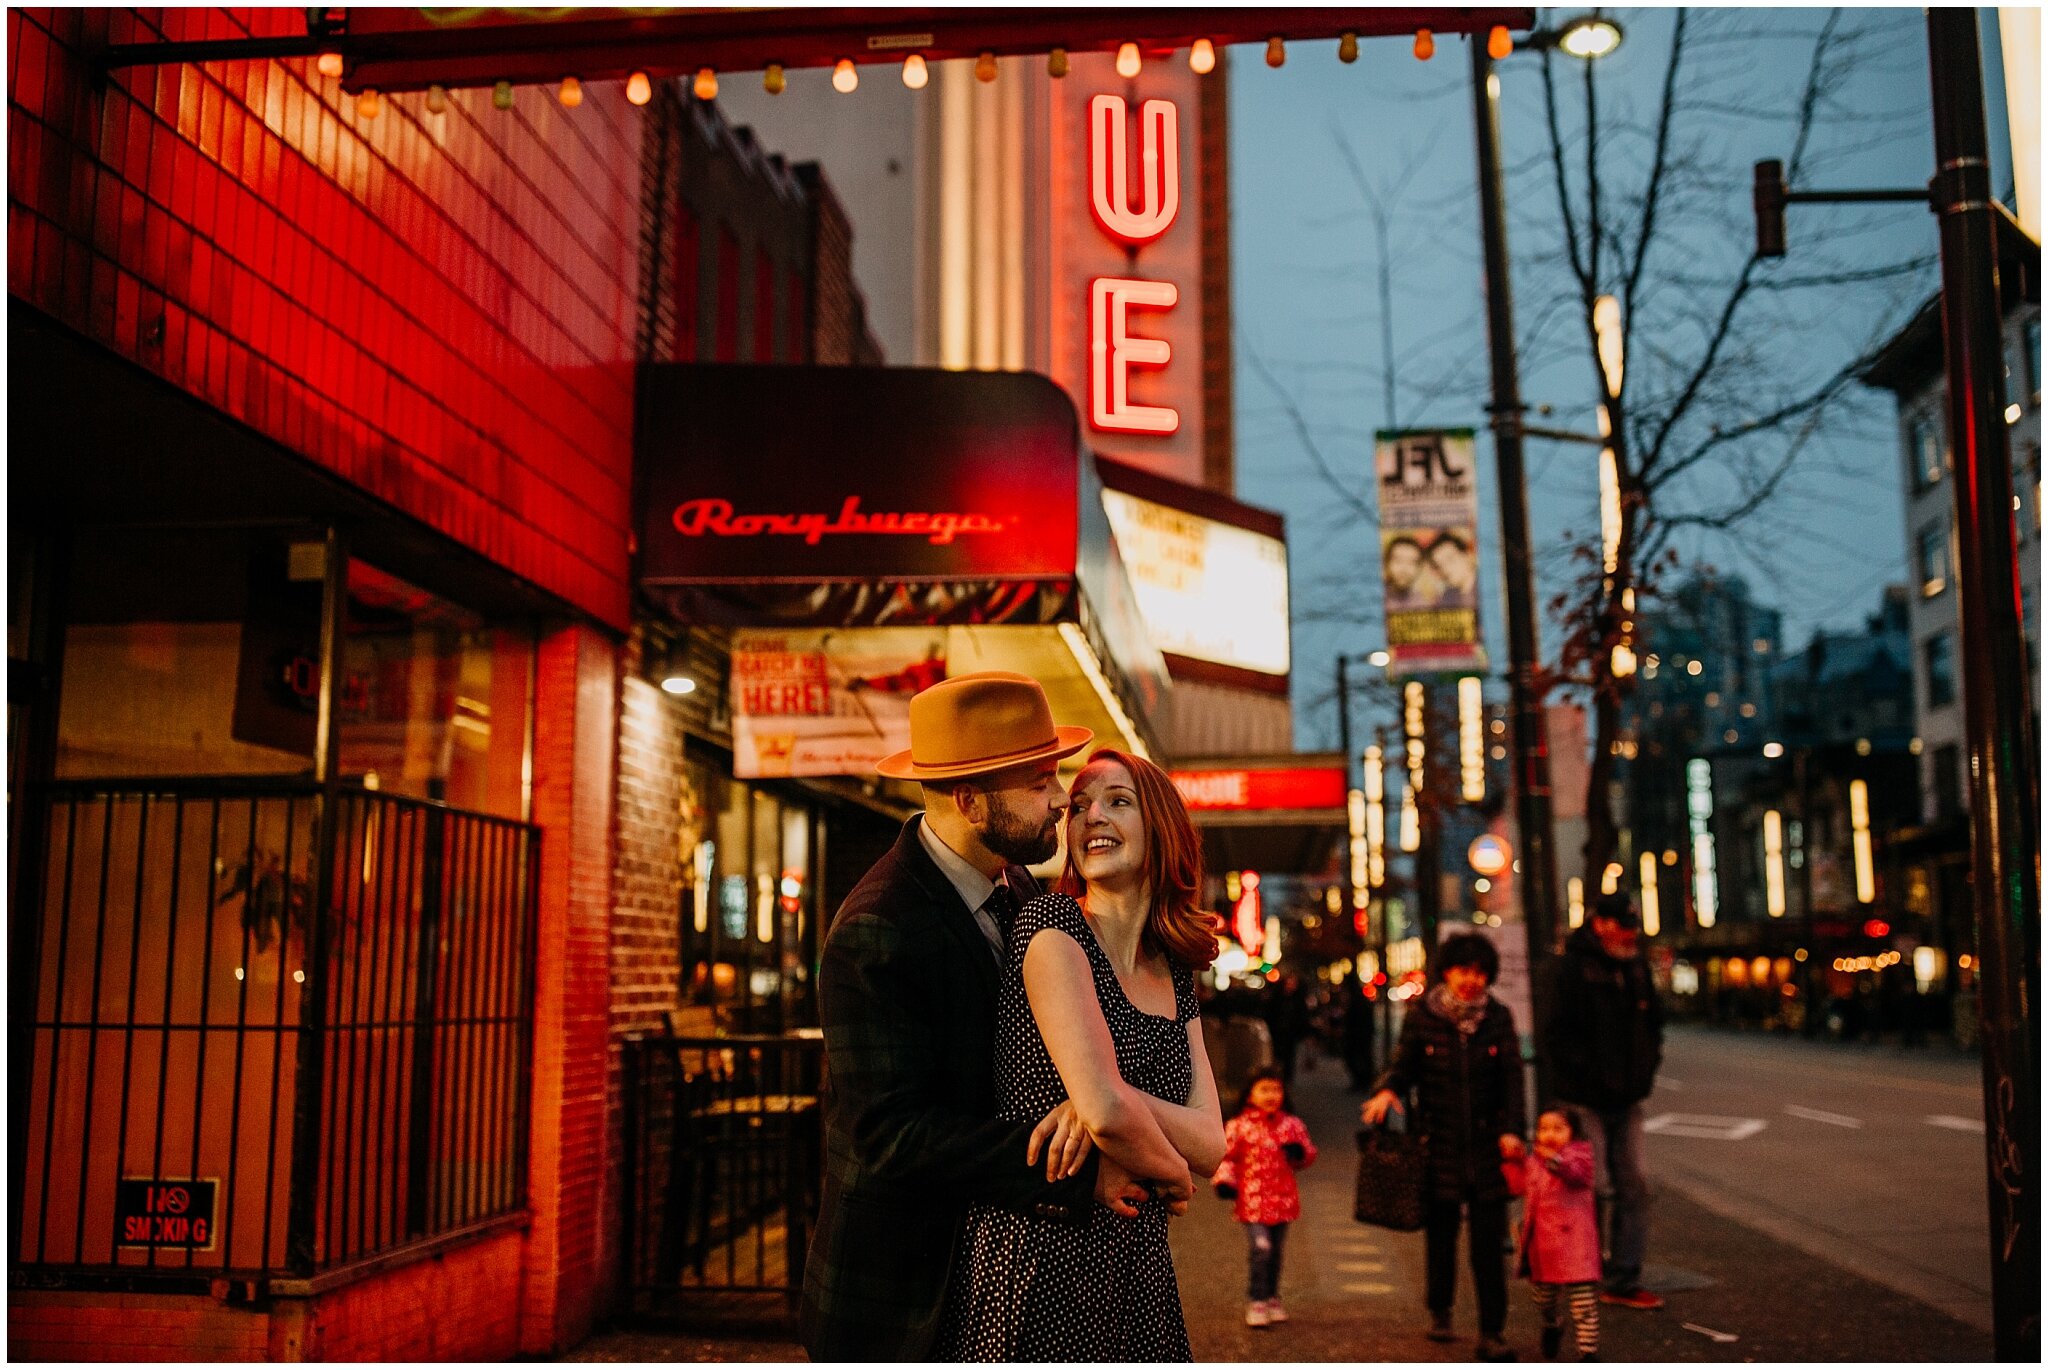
(1429, 550)
(827, 701)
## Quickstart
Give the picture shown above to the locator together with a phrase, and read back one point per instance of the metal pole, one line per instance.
(2004, 786)
(1344, 747)
(1428, 853)
(1525, 705)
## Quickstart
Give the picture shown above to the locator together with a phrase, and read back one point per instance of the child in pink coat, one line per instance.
(1561, 1233)
(1262, 1148)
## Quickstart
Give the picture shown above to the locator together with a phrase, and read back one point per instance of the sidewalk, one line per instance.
(1355, 1292)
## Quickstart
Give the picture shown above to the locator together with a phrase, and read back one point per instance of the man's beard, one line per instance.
(1014, 839)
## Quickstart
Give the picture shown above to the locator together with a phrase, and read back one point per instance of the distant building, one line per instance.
(1930, 862)
(1910, 366)
(1775, 890)
(1708, 651)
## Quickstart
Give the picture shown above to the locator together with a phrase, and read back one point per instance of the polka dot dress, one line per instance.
(1026, 1288)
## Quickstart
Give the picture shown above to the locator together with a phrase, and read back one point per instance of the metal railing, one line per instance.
(723, 1166)
(318, 1004)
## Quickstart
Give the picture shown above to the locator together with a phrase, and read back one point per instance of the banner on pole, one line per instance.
(1429, 550)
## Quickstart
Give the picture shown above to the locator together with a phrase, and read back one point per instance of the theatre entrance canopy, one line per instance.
(866, 531)
(1278, 814)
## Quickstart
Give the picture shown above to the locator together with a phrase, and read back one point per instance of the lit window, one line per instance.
(1928, 459)
(1933, 555)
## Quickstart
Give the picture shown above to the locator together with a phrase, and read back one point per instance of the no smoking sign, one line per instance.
(176, 1213)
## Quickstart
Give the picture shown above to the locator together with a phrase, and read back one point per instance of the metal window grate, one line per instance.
(181, 1029)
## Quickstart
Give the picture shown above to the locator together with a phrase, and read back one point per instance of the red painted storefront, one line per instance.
(435, 315)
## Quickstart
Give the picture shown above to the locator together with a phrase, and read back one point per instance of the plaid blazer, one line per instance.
(907, 994)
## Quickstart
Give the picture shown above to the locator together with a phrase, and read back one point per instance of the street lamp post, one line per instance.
(2004, 785)
(1525, 703)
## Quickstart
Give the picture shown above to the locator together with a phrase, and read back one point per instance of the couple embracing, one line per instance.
(1018, 1094)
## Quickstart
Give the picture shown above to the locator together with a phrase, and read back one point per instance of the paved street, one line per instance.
(1842, 1291)
(1867, 1157)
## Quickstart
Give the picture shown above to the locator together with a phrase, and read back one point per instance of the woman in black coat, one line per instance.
(1460, 1054)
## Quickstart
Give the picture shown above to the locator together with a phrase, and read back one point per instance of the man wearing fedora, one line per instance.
(907, 991)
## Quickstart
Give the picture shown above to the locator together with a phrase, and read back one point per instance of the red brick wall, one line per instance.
(51, 1326)
(446, 1307)
(647, 889)
(570, 1267)
(439, 308)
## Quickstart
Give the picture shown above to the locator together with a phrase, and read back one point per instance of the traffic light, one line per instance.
(1770, 209)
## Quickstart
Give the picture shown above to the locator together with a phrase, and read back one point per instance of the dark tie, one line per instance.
(1002, 906)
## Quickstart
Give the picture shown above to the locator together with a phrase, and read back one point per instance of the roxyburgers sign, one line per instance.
(853, 474)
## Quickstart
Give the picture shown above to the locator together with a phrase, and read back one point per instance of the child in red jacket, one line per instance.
(1262, 1148)
(1561, 1233)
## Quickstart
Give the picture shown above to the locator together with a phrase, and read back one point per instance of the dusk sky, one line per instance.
(1307, 307)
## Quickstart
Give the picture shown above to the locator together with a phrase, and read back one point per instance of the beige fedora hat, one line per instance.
(972, 724)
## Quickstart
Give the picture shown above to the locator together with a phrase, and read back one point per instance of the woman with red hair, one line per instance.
(1097, 1027)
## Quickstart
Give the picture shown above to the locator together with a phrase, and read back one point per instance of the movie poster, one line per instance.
(827, 701)
(1429, 550)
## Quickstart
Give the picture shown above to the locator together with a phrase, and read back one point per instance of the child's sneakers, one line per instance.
(1553, 1341)
(1257, 1314)
(1274, 1312)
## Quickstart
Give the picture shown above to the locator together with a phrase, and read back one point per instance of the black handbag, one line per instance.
(1390, 1179)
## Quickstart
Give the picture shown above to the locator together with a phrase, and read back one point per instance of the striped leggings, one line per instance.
(1584, 1302)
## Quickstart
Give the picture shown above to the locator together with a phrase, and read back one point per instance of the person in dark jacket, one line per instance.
(1460, 1054)
(911, 971)
(1603, 1031)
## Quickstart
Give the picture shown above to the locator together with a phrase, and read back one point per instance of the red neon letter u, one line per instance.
(1109, 168)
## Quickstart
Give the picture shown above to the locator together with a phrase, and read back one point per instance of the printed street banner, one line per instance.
(827, 701)
(1429, 550)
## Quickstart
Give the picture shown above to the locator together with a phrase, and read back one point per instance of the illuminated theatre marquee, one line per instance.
(1112, 348)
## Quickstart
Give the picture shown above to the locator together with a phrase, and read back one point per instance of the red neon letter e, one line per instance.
(1113, 352)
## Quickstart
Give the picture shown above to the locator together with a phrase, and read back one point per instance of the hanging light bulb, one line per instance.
(571, 92)
(501, 95)
(705, 87)
(1056, 64)
(985, 68)
(773, 81)
(1276, 52)
(1128, 61)
(1499, 43)
(437, 100)
(369, 105)
(1347, 48)
(845, 79)
(1202, 57)
(1425, 45)
(915, 73)
(639, 90)
(328, 64)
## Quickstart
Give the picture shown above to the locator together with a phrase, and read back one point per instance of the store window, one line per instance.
(184, 906)
(1933, 557)
(190, 653)
(750, 860)
(433, 700)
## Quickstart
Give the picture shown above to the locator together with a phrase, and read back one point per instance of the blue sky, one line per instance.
(1309, 359)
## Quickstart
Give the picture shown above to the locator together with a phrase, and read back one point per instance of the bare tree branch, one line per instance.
(1305, 435)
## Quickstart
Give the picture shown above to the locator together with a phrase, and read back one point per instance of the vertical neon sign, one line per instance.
(1112, 348)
